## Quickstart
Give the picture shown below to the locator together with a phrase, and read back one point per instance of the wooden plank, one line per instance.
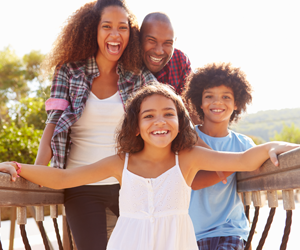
(11, 198)
(270, 177)
(22, 184)
(25, 193)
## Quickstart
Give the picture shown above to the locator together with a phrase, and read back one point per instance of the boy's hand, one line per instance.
(10, 168)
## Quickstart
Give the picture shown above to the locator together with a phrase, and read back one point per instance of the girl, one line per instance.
(99, 67)
(155, 165)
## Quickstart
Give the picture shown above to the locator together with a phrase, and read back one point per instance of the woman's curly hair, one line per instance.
(78, 38)
(129, 142)
(214, 75)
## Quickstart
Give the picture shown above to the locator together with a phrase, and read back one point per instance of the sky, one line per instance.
(260, 36)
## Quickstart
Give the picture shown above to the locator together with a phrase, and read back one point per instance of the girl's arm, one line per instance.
(65, 178)
(203, 159)
(44, 154)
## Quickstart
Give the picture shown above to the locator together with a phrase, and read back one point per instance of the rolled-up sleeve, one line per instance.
(59, 96)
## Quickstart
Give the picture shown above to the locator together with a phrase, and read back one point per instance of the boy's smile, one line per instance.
(158, 121)
(218, 104)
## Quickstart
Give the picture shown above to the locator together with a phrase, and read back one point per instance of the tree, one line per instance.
(288, 134)
(19, 144)
(15, 73)
(30, 111)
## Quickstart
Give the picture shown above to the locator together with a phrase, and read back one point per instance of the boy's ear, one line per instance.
(235, 107)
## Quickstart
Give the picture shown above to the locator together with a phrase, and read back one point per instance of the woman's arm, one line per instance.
(66, 178)
(44, 154)
(203, 159)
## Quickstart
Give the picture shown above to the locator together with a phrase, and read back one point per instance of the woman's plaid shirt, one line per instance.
(70, 89)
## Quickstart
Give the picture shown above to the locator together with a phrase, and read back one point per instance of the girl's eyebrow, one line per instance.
(150, 110)
(111, 22)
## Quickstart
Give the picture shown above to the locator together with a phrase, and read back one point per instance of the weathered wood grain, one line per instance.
(270, 177)
(25, 193)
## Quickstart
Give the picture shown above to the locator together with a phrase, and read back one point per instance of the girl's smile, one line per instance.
(158, 121)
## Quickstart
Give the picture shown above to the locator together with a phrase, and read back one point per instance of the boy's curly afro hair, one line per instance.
(214, 75)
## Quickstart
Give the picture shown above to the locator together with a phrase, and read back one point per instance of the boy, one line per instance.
(219, 94)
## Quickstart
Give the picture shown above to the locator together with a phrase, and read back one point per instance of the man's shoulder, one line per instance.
(179, 55)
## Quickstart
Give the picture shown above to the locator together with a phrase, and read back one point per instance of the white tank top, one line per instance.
(154, 213)
(93, 135)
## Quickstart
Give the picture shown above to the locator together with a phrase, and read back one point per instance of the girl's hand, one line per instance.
(9, 167)
(277, 148)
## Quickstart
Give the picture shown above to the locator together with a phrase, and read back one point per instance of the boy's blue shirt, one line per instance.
(217, 210)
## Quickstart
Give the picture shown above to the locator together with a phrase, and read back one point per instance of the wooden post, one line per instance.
(21, 215)
(288, 199)
(272, 198)
(53, 211)
(39, 213)
(66, 242)
(256, 198)
(12, 227)
(247, 198)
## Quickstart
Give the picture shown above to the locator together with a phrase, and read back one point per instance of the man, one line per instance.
(167, 64)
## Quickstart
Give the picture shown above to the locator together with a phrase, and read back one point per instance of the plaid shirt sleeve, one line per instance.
(59, 96)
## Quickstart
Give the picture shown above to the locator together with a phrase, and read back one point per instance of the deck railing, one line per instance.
(23, 194)
(271, 179)
(268, 178)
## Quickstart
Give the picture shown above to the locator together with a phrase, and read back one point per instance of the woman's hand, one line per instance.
(10, 168)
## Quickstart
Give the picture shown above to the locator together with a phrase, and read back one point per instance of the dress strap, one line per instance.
(126, 160)
(176, 159)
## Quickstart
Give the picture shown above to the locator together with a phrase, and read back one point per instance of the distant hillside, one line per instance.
(264, 123)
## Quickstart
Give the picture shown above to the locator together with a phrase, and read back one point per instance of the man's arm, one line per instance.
(205, 179)
(217, 176)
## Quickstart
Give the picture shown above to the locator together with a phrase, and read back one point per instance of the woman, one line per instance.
(98, 67)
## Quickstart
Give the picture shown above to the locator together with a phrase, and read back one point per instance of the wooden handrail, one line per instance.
(269, 177)
(25, 193)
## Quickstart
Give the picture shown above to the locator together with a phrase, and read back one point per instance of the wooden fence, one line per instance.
(268, 178)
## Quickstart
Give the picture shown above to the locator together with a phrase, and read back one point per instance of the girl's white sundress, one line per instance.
(154, 213)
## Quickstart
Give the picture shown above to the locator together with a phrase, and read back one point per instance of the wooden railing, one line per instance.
(24, 195)
(286, 177)
(269, 178)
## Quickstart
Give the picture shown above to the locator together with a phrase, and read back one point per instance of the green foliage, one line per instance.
(22, 118)
(30, 111)
(15, 74)
(19, 144)
(12, 76)
(264, 124)
(256, 139)
(288, 134)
